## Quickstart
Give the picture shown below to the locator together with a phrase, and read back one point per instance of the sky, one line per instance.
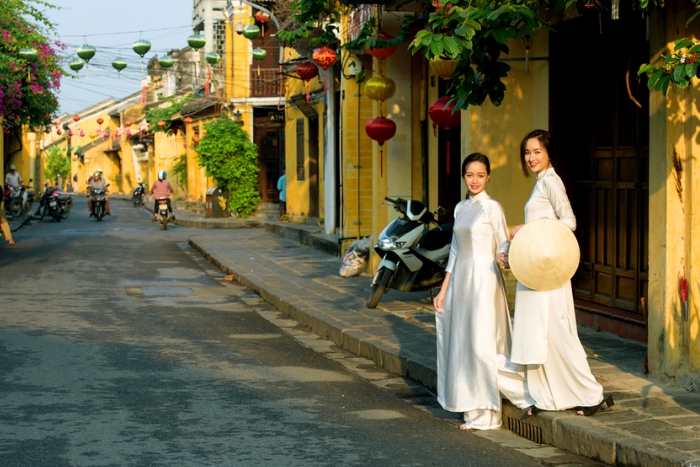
(112, 28)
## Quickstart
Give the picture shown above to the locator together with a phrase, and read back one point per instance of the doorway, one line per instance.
(599, 116)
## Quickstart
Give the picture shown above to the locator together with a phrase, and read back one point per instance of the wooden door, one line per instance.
(599, 116)
(270, 157)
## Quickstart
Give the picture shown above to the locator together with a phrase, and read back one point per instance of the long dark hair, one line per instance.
(476, 157)
(545, 139)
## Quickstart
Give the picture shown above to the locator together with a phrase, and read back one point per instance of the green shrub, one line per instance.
(228, 155)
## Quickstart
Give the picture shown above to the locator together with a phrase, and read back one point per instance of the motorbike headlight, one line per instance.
(386, 242)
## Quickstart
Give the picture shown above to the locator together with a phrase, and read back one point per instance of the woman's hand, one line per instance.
(439, 301)
(515, 230)
(502, 259)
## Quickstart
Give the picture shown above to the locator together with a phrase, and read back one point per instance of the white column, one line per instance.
(329, 157)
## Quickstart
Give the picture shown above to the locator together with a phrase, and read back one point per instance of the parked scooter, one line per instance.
(137, 196)
(164, 214)
(18, 201)
(413, 259)
(50, 204)
(98, 202)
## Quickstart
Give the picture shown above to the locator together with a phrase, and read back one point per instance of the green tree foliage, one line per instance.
(57, 163)
(180, 170)
(28, 87)
(165, 112)
(228, 155)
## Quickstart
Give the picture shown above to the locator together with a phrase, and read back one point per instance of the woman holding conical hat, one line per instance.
(545, 337)
(472, 322)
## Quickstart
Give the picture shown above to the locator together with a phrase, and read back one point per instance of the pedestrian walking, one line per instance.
(472, 320)
(5, 227)
(282, 187)
(545, 336)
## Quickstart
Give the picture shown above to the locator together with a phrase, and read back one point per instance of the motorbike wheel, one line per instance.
(27, 207)
(98, 213)
(66, 212)
(43, 212)
(165, 222)
(56, 214)
(378, 290)
(15, 207)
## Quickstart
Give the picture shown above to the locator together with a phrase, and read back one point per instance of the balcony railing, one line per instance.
(265, 84)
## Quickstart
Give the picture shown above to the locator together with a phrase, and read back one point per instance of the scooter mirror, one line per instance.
(441, 211)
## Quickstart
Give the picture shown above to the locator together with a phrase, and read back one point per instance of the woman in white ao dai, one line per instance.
(545, 336)
(472, 321)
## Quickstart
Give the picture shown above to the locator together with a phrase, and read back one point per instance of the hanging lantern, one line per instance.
(444, 68)
(259, 54)
(187, 120)
(119, 64)
(127, 132)
(212, 58)
(195, 137)
(381, 53)
(81, 134)
(261, 16)
(381, 129)
(29, 54)
(166, 62)
(325, 57)
(307, 71)
(105, 134)
(59, 132)
(380, 88)
(251, 32)
(100, 121)
(76, 117)
(129, 122)
(141, 47)
(86, 52)
(196, 41)
(444, 118)
(161, 123)
(93, 135)
(70, 132)
(76, 65)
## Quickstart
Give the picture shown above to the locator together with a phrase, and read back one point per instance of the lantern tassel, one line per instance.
(258, 68)
(448, 156)
(381, 161)
(308, 98)
(324, 81)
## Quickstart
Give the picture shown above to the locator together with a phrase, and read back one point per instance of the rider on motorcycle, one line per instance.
(161, 189)
(98, 182)
(13, 179)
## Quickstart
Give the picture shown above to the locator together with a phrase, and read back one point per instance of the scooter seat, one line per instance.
(436, 238)
(65, 198)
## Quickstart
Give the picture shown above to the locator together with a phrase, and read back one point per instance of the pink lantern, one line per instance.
(59, 132)
(127, 132)
(82, 133)
(106, 134)
(70, 132)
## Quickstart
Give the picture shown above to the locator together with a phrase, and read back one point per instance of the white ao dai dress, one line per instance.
(545, 337)
(474, 327)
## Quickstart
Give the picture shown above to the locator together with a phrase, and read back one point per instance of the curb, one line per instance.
(582, 436)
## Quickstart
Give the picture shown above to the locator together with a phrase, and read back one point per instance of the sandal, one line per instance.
(588, 411)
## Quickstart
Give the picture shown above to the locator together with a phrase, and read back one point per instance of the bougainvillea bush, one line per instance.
(28, 88)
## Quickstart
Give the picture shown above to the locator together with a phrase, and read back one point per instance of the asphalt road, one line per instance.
(120, 346)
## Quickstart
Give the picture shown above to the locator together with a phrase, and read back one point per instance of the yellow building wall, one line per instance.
(167, 150)
(674, 197)
(23, 156)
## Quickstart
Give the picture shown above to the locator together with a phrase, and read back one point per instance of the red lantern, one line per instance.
(195, 137)
(59, 132)
(161, 123)
(129, 122)
(187, 120)
(381, 129)
(261, 16)
(76, 117)
(383, 52)
(307, 71)
(100, 121)
(325, 57)
(444, 118)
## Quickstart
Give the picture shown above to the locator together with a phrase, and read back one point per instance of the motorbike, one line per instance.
(18, 201)
(413, 258)
(137, 196)
(98, 202)
(54, 204)
(164, 215)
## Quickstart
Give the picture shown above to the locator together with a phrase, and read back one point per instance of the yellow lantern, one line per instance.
(443, 68)
(380, 88)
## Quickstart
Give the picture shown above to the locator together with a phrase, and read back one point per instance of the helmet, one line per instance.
(12, 167)
(161, 175)
(98, 171)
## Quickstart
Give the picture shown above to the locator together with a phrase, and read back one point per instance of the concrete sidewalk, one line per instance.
(652, 424)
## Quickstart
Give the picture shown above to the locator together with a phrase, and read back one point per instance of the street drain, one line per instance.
(527, 431)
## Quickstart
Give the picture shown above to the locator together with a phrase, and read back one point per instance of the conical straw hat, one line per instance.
(544, 255)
